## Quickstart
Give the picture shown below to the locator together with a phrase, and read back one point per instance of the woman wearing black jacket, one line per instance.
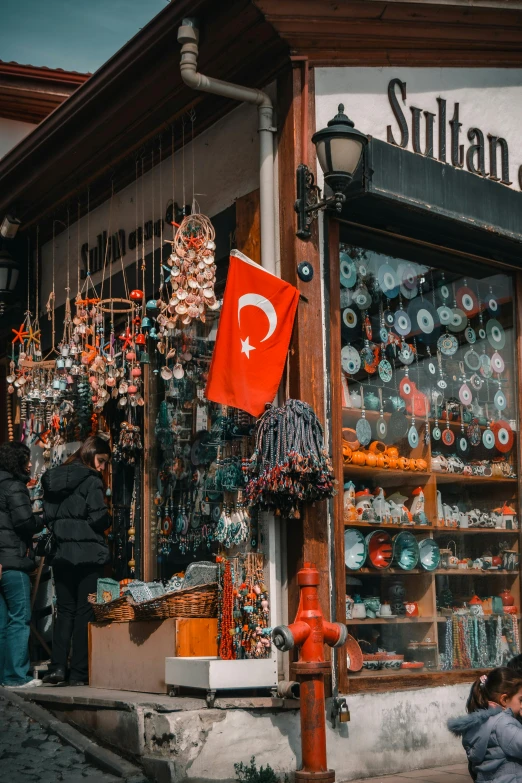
(18, 524)
(75, 510)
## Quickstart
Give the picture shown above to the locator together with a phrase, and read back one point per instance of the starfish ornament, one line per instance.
(20, 334)
(33, 335)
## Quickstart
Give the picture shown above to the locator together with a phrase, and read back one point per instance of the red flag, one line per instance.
(253, 336)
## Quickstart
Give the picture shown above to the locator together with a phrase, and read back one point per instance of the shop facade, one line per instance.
(406, 345)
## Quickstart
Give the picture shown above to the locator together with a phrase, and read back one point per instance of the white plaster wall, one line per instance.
(11, 132)
(226, 166)
(388, 732)
(490, 99)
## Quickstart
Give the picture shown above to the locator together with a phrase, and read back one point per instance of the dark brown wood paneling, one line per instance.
(308, 537)
(380, 683)
(363, 32)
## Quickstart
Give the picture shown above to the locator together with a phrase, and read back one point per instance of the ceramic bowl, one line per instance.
(405, 550)
(380, 549)
(429, 554)
(355, 550)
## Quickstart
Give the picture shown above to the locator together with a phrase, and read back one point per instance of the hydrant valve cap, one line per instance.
(282, 638)
(343, 635)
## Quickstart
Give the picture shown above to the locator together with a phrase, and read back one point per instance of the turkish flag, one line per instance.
(253, 335)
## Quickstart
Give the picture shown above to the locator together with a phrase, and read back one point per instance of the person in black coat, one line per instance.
(76, 512)
(18, 524)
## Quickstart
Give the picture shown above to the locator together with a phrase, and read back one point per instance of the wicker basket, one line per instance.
(121, 610)
(199, 601)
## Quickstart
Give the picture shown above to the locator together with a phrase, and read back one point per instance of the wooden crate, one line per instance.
(131, 656)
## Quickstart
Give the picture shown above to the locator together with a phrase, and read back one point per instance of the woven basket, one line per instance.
(200, 601)
(121, 610)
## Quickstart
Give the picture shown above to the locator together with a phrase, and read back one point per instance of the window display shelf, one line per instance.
(380, 474)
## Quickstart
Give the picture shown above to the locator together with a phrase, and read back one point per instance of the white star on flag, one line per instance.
(246, 347)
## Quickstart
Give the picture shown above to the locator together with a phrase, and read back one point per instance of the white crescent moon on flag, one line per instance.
(264, 304)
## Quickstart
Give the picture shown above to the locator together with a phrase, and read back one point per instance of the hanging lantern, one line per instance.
(8, 277)
(136, 295)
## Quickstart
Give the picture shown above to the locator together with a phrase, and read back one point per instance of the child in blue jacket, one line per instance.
(491, 734)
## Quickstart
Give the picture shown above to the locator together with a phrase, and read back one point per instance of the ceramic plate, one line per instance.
(355, 549)
(429, 554)
(405, 550)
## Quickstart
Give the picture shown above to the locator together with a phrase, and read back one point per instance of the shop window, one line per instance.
(429, 454)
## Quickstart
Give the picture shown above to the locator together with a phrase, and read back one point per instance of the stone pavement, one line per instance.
(30, 754)
(456, 773)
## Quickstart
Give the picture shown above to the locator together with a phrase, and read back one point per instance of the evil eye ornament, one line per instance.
(383, 334)
(492, 306)
(413, 437)
(467, 301)
(465, 395)
(445, 315)
(425, 319)
(388, 282)
(436, 433)
(402, 323)
(499, 400)
(459, 321)
(385, 371)
(406, 354)
(362, 298)
(366, 355)
(407, 274)
(382, 428)
(497, 362)
(488, 439)
(476, 382)
(472, 360)
(470, 335)
(350, 318)
(447, 344)
(350, 360)
(463, 448)
(348, 271)
(389, 318)
(406, 388)
(448, 438)
(345, 297)
(495, 334)
(482, 333)
(503, 436)
(444, 291)
(432, 368)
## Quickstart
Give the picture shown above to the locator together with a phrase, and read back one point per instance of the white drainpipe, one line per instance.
(188, 37)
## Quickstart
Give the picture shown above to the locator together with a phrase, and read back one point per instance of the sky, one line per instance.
(76, 35)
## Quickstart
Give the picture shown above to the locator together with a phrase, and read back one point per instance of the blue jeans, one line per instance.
(15, 620)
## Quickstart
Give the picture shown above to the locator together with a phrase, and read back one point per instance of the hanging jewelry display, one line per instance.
(290, 464)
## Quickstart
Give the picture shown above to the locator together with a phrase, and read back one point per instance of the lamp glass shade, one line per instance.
(8, 272)
(339, 150)
(3, 278)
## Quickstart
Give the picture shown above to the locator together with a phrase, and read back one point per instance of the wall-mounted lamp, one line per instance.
(9, 227)
(339, 150)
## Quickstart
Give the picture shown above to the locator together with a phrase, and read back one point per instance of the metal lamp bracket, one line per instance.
(309, 201)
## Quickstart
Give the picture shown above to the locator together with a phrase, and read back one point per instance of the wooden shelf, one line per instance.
(455, 478)
(449, 531)
(471, 572)
(386, 571)
(364, 472)
(392, 621)
(371, 526)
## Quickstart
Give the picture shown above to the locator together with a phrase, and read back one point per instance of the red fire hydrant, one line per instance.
(309, 633)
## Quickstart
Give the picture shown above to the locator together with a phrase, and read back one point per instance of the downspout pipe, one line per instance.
(188, 37)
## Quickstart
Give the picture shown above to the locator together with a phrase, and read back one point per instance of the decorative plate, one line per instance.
(448, 437)
(350, 318)
(445, 315)
(472, 359)
(385, 371)
(405, 550)
(504, 437)
(362, 298)
(429, 554)
(355, 549)
(388, 282)
(380, 549)
(354, 656)
(459, 321)
(364, 431)
(402, 323)
(425, 318)
(467, 301)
